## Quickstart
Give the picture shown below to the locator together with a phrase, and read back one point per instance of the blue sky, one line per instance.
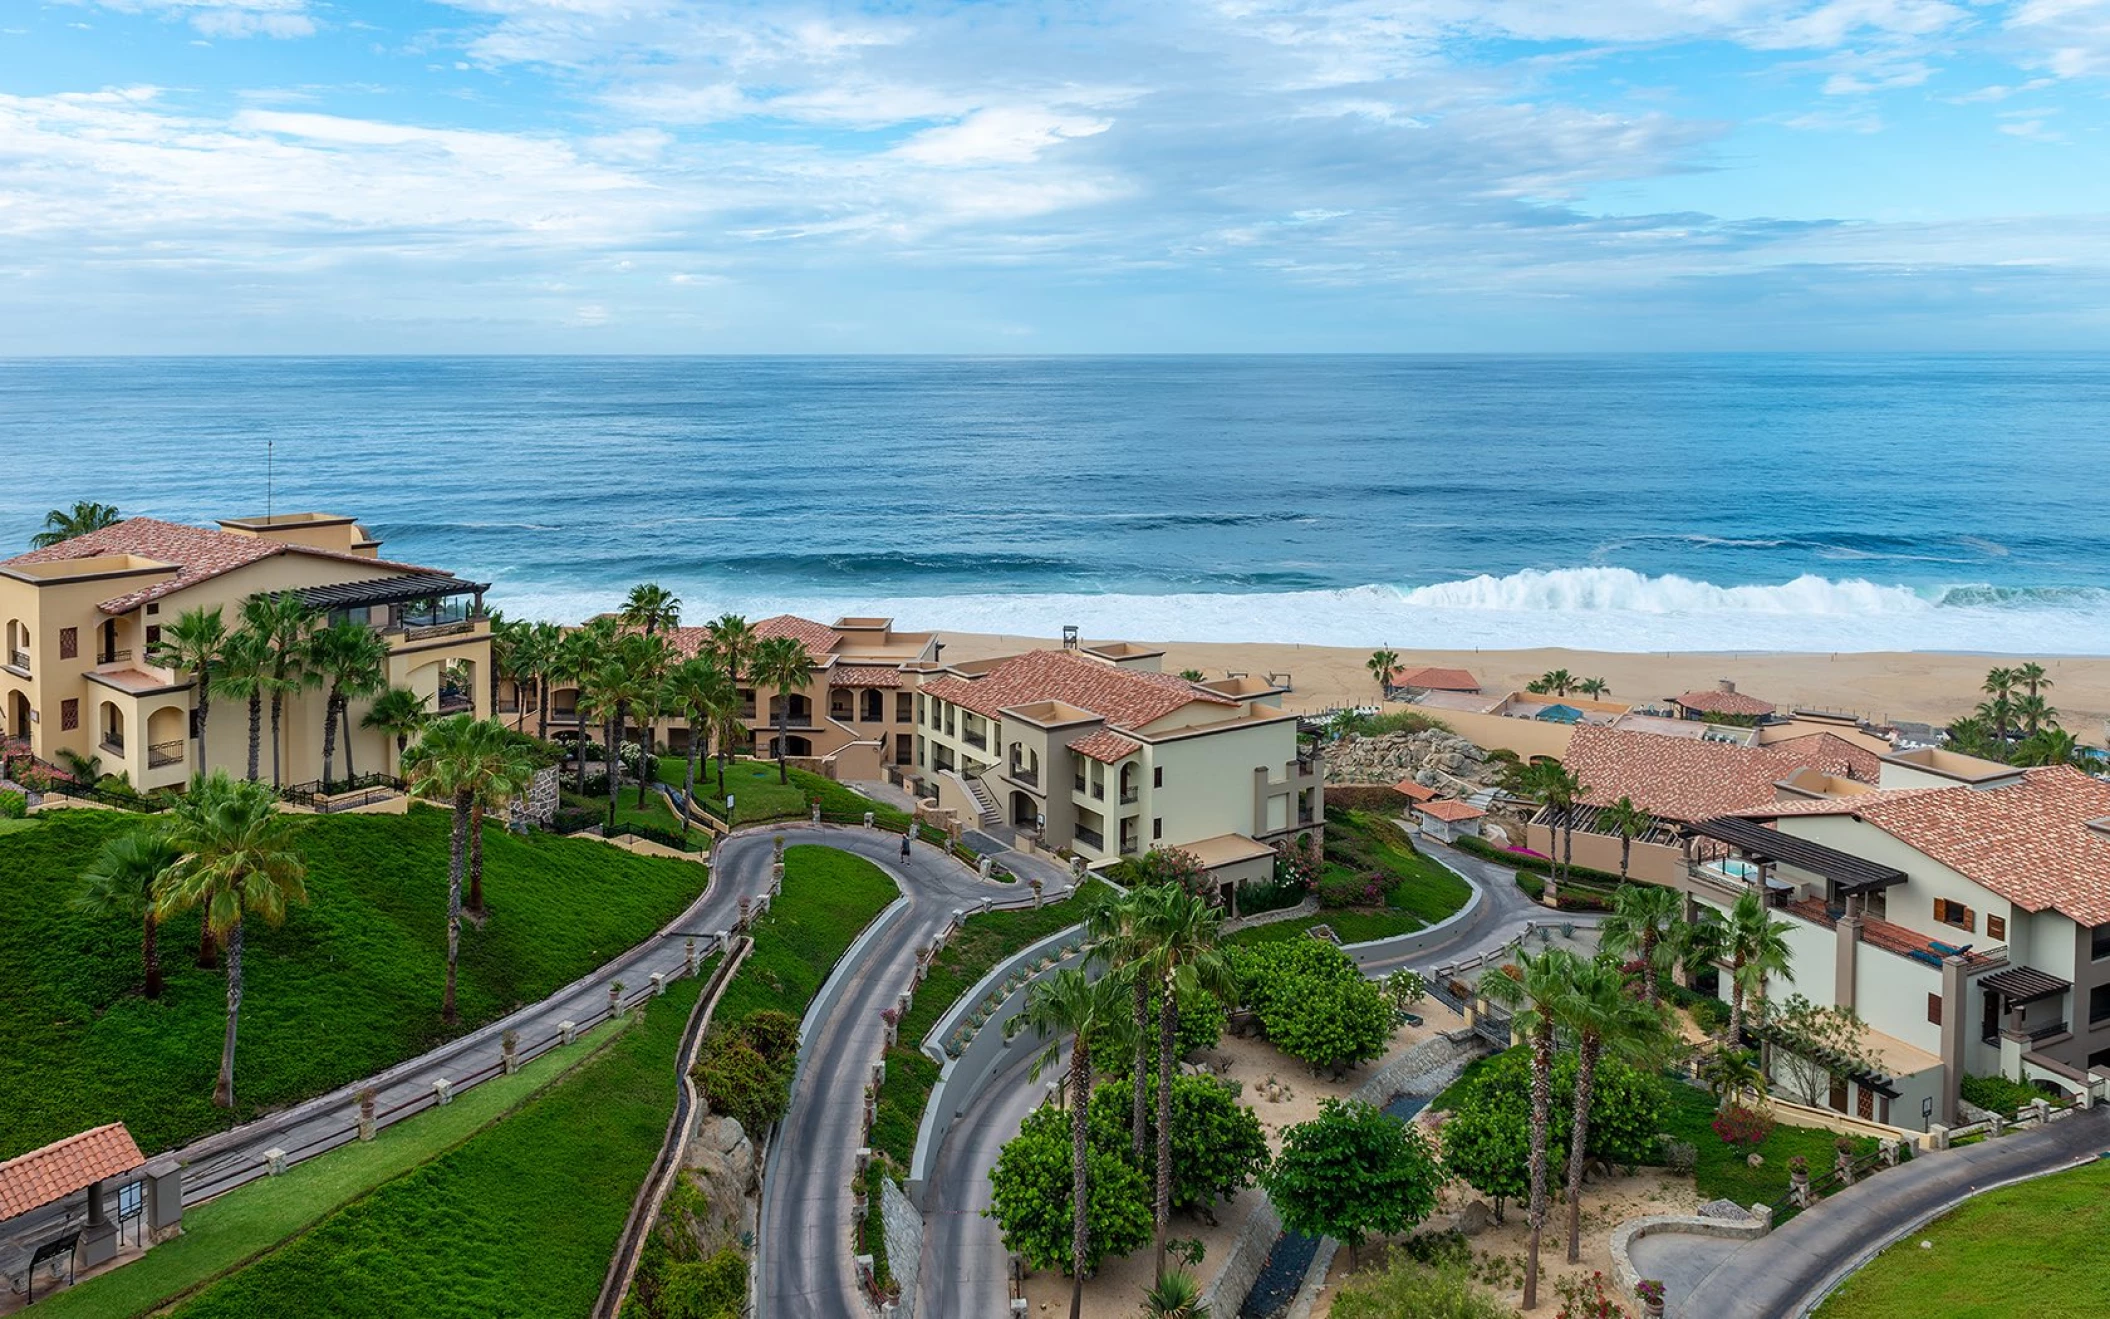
(1174, 175)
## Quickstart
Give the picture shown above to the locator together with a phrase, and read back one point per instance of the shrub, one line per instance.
(1351, 890)
(1409, 1289)
(1218, 1147)
(1352, 1172)
(1313, 1001)
(1995, 1094)
(1492, 1119)
(1738, 1125)
(1030, 1196)
(714, 1288)
(737, 1080)
(1711, 1014)
(13, 806)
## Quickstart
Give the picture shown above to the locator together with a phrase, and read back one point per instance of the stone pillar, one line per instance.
(659, 983)
(567, 1031)
(1849, 945)
(816, 812)
(615, 1000)
(870, 818)
(274, 1162)
(509, 1052)
(985, 867)
(1954, 1022)
(688, 955)
(99, 1235)
(443, 1091)
(1888, 1147)
(776, 879)
(1034, 884)
(367, 1124)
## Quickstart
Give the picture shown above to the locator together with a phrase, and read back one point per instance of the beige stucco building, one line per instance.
(79, 623)
(1096, 750)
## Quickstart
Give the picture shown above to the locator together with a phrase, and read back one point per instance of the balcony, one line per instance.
(115, 655)
(1029, 777)
(1078, 783)
(1129, 796)
(1090, 837)
(163, 754)
(18, 660)
(979, 741)
(114, 743)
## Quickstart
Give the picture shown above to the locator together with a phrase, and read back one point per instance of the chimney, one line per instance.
(1724, 684)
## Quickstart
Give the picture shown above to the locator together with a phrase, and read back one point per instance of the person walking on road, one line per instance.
(904, 847)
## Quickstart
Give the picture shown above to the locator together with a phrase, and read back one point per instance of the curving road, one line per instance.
(803, 1263)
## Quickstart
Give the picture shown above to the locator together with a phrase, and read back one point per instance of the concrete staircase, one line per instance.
(984, 800)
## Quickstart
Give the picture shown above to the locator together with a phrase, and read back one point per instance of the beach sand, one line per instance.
(1882, 685)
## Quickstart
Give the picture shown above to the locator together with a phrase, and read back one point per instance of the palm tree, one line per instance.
(783, 663)
(1178, 932)
(1644, 920)
(1604, 1018)
(244, 663)
(1122, 945)
(1757, 949)
(2051, 746)
(732, 639)
(1594, 687)
(1071, 1004)
(351, 661)
(2032, 678)
(1382, 665)
(63, 524)
(238, 856)
(398, 713)
(509, 643)
(1701, 943)
(1559, 682)
(639, 664)
(284, 622)
(1999, 685)
(539, 660)
(1730, 1074)
(577, 657)
(1177, 1295)
(1559, 790)
(1627, 822)
(1538, 988)
(124, 881)
(193, 644)
(472, 763)
(703, 692)
(650, 607)
(2033, 712)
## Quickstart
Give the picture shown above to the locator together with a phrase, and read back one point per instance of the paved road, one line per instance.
(963, 1270)
(803, 1263)
(1791, 1269)
(1504, 911)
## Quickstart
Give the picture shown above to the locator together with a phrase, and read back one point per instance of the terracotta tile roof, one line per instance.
(1831, 754)
(1436, 680)
(65, 1166)
(198, 553)
(1675, 778)
(2029, 842)
(1105, 746)
(1718, 702)
(1415, 791)
(863, 675)
(1128, 698)
(820, 639)
(1450, 811)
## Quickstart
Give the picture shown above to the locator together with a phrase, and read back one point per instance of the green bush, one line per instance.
(1493, 1119)
(13, 805)
(737, 1081)
(714, 1288)
(1711, 1014)
(1313, 1001)
(1031, 1196)
(1577, 875)
(1342, 888)
(1218, 1147)
(1997, 1094)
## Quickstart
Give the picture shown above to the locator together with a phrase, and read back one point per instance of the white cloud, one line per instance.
(1004, 135)
(227, 18)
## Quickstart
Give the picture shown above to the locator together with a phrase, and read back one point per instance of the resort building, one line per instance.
(1724, 700)
(1962, 909)
(1416, 681)
(855, 717)
(82, 620)
(1094, 749)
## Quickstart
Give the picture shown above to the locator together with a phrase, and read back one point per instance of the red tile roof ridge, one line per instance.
(1709, 701)
(1128, 698)
(59, 1169)
(1106, 746)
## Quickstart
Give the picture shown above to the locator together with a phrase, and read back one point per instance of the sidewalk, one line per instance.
(1790, 1270)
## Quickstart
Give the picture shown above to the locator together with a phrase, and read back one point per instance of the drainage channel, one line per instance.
(1291, 1258)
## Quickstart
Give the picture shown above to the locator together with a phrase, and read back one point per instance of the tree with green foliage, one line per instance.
(1033, 1198)
(351, 661)
(1603, 1019)
(1559, 682)
(125, 881)
(1218, 1147)
(1174, 866)
(1626, 822)
(283, 621)
(2049, 746)
(193, 644)
(744, 1071)
(471, 763)
(732, 639)
(237, 857)
(1383, 664)
(1594, 688)
(1120, 944)
(1642, 924)
(397, 713)
(63, 524)
(1180, 932)
(1757, 948)
(712, 1288)
(1815, 1045)
(702, 691)
(1072, 1003)
(1488, 1147)
(1537, 987)
(1352, 1172)
(1313, 1001)
(785, 664)
(244, 662)
(650, 608)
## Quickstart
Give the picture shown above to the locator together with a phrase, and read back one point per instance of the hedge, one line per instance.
(1577, 875)
(1380, 798)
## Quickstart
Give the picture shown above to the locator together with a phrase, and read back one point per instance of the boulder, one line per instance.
(1474, 1219)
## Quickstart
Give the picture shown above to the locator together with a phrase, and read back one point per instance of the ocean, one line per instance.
(1738, 502)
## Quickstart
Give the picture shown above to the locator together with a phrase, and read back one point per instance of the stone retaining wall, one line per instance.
(1624, 1236)
(1246, 1258)
(904, 1242)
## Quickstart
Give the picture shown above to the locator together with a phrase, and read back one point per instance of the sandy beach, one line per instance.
(1881, 685)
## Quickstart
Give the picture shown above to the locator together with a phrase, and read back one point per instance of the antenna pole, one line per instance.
(270, 450)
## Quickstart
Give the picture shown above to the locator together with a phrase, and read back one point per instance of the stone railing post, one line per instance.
(567, 1032)
(688, 955)
(509, 1052)
(443, 1091)
(615, 1000)
(1034, 884)
(870, 819)
(1888, 1147)
(366, 1113)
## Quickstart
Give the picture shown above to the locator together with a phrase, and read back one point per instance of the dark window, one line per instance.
(1955, 913)
(1157, 776)
(69, 714)
(1157, 829)
(2099, 942)
(1934, 1008)
(1864, 1102)
(1838, 1096)
(153, 610)
(2098, 1004)
(69, 642)
(2100, 1058)
(904, 708)
(1996, 927)
(153, 636)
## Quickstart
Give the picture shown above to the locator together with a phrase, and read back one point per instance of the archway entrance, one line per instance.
(18, 716)
(796, 746)
(1025, 812)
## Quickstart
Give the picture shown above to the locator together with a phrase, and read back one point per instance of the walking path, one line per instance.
(1790, 1270)
(802, 1250)
(1505, 911)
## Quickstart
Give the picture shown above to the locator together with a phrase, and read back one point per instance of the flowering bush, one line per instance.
(1738, 1125)
(1650, 1290)
(1584, 1298)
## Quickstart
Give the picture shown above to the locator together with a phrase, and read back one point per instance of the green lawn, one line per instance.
(17, 826)
(519, 1221)
(235, 1228)
(349, 985)
(2032, 1251)
(758, 796)
(829, 897)
(656, 813)
(983, 941)
(1420, 892)
(1724, 1169)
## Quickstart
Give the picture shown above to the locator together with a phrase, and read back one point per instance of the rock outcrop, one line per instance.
(1432, 757)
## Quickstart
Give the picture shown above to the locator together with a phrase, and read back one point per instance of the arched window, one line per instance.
(111, 722)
